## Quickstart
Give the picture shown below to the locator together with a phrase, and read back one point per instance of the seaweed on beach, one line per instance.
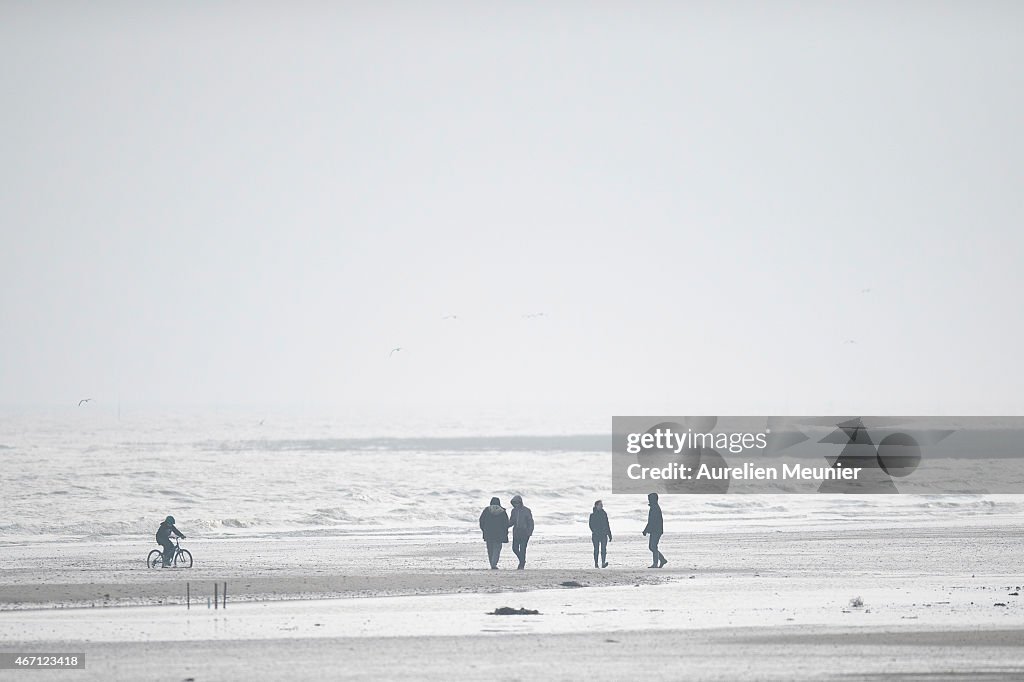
(509, 611)
(571, 583)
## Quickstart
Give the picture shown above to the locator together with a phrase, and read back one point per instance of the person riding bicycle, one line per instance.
(163, 537)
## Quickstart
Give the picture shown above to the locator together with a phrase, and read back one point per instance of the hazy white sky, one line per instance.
(235, 203)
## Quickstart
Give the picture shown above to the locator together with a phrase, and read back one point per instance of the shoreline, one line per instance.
(21, 598)
(113, 574)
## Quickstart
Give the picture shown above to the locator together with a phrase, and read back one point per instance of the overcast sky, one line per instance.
(719, 207)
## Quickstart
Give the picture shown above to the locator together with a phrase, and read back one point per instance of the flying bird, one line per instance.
(850, 342)
(531, 316)
(393, 351)
(450, 317)
(84, 400)
(865, 291)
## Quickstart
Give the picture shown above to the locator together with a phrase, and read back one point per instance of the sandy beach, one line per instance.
(936, 601)
(732, 654)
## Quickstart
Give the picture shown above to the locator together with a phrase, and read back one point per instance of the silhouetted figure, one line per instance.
(163, 537)
(600, 533)
(655, 528)
(494, 524)
(521, 523)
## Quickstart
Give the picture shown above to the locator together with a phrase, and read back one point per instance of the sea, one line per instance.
(71, 473)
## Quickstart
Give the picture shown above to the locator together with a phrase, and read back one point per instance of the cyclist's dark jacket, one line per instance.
(164, 533)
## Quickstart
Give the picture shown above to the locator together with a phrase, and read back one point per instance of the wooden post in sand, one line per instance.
(224, 596)
(188, 597)
(215, 601)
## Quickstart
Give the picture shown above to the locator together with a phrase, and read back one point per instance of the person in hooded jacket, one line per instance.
(521, 523)
(655, 528)
(494, 525)
(163, 537)
(600, 533)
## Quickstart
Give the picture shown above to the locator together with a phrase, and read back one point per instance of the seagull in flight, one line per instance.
(450, 317)
(393, 351)
(83, 401)
(865, 291)
(850, 342)
(531, 316)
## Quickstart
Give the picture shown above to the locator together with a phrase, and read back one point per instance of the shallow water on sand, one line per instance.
(700, 603)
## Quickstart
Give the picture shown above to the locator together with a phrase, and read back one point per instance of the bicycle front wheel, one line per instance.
(156, 557)
(184, 558)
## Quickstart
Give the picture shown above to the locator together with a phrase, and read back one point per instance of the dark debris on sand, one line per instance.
(509, 611)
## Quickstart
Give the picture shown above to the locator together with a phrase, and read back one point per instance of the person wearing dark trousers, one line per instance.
(655, 528)
(494, 525)
(521, 523)
(600, 533)
(164, 534)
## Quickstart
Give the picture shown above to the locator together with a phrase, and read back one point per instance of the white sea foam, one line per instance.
(66, 476)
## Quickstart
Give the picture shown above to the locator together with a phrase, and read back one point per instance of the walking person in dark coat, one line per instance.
(494, 524)
(600, 533)
(521, 523)
(655, 528)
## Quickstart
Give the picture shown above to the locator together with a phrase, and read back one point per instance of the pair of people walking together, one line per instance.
(495, 523)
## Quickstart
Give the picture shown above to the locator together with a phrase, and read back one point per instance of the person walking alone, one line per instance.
(655, 528)
(600, 533)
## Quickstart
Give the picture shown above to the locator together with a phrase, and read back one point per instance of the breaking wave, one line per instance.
(462, 444)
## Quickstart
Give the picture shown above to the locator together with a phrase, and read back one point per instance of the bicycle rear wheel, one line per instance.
(184, 558)
(156, 557)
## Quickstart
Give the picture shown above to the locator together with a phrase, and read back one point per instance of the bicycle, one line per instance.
(182, 557)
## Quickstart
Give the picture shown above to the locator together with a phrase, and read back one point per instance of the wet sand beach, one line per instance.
(808, 603)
